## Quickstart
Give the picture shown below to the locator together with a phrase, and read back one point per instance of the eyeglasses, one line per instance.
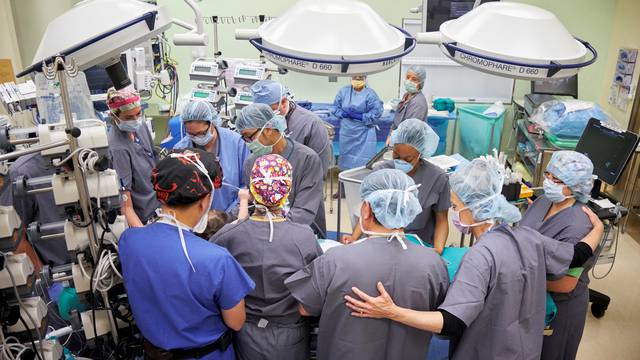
(249, 138)
(203, 132)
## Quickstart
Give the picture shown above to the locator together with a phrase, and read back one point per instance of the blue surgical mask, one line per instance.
(129, 125)
(553, 191)
(202, 140)
(402, 165)
(410, 86)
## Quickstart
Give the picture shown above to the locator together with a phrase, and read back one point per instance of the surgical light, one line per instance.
(97, 31)
(330, 37)
(512, 40)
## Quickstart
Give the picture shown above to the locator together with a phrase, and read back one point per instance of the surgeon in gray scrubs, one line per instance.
(271, 248)
(414, 274)
(558, 215)
(495, 307)
(413, 143)
(303, 126)
(413, 104)
(132, 155)
(40, 207)
(264, 133)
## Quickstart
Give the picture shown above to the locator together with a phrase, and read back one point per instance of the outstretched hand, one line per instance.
(371, 307)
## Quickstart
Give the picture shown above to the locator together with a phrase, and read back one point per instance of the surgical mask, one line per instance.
(201, 226)
(128, 125)
(410, 86)
(553, 191)
(464, 228)
(202, 140)
(257, 148)
(402, 166)
(357, 84)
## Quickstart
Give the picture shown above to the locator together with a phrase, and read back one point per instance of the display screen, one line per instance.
(609, 150)
(246, 98)
(439, 11)
(565, 86)
(250, 72)
(200, 94)
(202, 68)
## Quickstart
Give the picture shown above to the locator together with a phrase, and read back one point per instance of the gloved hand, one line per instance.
(356, 116)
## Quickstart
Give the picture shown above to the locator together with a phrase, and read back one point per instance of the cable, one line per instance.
(21, 304)
(33, 343)
(615, 254)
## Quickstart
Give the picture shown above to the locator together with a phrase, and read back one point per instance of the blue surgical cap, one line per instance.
(575, 170)
(257, 116)
(199, 110)
(268, 92)
(418, 134)
(393, 197)
(420, 72)
(479, 186)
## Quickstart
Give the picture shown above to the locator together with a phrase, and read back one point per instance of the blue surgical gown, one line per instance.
(232, 152)
(174, 307)
(357, 137)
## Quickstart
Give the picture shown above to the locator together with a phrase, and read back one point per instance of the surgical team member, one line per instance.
(132, 155)
(271, 248)
(186, 294)
(264, 132)
(201, 122)
(496, 304)
(303, 126)
(413, 143)
(358, 107)
(415, 274)
(38, 207)
(414, 104)
(558, 215)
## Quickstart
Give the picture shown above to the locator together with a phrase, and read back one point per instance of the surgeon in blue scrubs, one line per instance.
(202, 125)
(358, 107)
(186, 294)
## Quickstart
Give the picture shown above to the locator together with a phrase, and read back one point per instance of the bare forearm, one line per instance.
(357, 232)
(563, 285)
(424, 320)
(129, 213)
(593, 238)
(243, 213)
(441, 233)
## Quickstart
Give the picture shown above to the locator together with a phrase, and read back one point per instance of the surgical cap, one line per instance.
(575, 170)
(420, 72)
(393, 197)
(199, 110)
(418, 134)
(123, 100)
(178, 181)
(271, 180)
(257, 116)
(479, 186)
(268, 92)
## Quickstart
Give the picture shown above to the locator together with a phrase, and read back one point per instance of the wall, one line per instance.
(8, 42)
(590, 20)
(31, 18)
(626, 33)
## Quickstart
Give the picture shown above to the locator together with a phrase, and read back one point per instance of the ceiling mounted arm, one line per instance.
(195, 37)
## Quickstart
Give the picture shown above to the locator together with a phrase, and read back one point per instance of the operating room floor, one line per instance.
(614, 336)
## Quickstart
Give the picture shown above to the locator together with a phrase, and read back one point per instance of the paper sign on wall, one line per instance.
(623, 78)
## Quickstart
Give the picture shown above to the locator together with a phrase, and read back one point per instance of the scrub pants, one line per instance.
(567, 326)
(281, 342)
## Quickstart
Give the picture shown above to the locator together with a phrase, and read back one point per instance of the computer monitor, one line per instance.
(439, 11)
(563, 87)
(609, 150)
